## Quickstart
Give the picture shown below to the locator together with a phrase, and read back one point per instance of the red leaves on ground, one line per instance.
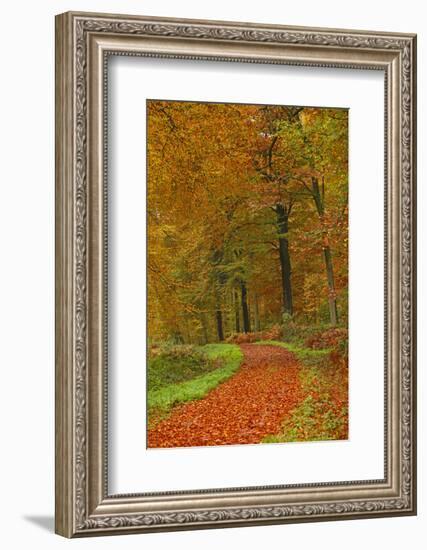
(245, 408)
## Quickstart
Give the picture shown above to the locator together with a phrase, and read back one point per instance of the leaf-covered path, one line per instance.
(244, 409)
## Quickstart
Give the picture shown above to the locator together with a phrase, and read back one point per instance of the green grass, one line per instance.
(313, 420)
(307, 356)
(227, 359)
(176, 364)
(316, 418)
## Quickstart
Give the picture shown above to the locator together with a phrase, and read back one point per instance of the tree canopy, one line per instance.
(247, 218)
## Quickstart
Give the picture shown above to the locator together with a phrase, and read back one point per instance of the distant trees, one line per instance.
(247, 217)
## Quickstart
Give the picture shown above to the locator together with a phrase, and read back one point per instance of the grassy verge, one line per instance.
(307, 356)
(322, 414)
(226, 358)
(176, 364)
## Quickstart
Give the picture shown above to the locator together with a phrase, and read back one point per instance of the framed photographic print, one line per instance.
(235, 274)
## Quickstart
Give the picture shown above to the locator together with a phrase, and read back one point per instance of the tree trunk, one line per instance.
(204, 328)
(333, 312)
(327, 255)
(219, 328)
(256, 313)
(285, 260)
(217, 257)
(245, 309)
(236, 311)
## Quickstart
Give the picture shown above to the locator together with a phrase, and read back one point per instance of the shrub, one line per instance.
(296, 333)
(273, 333)
(330, 338)
(171, 364)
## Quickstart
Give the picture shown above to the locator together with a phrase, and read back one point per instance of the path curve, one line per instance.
(250, 405)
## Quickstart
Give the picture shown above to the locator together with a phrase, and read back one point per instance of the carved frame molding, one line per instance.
(83, 43)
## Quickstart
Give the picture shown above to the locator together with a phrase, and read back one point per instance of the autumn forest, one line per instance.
(247, 209)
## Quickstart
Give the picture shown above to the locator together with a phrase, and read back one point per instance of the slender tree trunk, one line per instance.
(245, 309)
(204, 328)
(236, 311)
(219, 328)
(217, 256)
(189, 338)
(333, 311)
(256, 313)
(285, 260)
(327, 255)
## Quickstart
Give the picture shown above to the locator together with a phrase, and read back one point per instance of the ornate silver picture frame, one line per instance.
(84, 505)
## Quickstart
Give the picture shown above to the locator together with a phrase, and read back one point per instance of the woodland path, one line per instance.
(250, 405)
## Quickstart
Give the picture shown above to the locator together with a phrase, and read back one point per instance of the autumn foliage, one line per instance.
(247, 218)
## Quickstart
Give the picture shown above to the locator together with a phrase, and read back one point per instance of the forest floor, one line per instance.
(246, 408)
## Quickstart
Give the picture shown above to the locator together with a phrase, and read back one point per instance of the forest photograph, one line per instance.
(247, 274)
